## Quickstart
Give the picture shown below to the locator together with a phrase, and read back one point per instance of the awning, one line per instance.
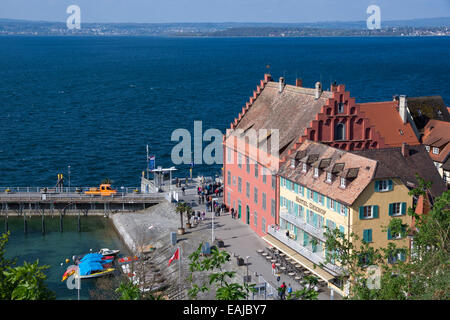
(318, 271)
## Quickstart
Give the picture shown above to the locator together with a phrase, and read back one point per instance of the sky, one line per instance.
(159, 11)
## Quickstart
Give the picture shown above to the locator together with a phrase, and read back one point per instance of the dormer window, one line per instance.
(427, 148)
(293, 163)
(304, 167)
(435, 150)
(316, 172)
(328, 177)
(342, 183)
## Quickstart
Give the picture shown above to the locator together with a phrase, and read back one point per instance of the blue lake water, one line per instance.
(55, 247)
(95, 102)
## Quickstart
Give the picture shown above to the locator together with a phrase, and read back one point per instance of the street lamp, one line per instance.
(247, 257)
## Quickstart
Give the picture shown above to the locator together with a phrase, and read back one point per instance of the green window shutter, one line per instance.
(389, 234)
(341, 229)
(315, 196)
(390, 185)
(365, 235)
(391, 209)
(369, 235)
(303, 190)
(375, 211)
(307, 193)
(338, 207)
(403, 208)
(377, 186)
(361, 212)
(296, 188)
(328, 203)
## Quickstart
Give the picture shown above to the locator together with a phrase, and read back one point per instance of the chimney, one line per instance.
(298, 82)
(281, 85)
(405, 149)
(333, 86)
(403, 108)
(318, 91)
(267, 77)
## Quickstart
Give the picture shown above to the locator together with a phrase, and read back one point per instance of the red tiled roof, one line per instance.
(361, 169)
(290, 111)
(437, 134)
(384, 116)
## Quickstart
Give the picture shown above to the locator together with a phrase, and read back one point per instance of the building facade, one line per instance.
(323, 187)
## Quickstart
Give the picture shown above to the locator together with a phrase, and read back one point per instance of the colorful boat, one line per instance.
(128, 259)
(108, 252)
(70, 271)
(92, 269)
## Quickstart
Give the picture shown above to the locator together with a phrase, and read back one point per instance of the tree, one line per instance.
(307, 292)
(181, 208)
(424, 273)
(128, 291)
(218, 279)
(26, 282)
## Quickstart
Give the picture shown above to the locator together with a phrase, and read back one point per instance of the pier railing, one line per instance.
(49, 190)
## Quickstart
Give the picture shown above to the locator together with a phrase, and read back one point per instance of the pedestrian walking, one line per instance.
(182, 189)
(289, 290)
(232, 213)
(274, 268)
(283, 291)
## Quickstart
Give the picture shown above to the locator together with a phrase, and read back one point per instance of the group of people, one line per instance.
(233, 213)
(199, 216)
(283, 288)
(208, 190)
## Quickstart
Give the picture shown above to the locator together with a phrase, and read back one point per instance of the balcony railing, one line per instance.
(302, 224)
(273, 231)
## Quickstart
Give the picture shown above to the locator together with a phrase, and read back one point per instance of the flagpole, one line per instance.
(147, 162)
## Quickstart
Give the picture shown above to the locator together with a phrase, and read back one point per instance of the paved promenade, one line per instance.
(240, 240)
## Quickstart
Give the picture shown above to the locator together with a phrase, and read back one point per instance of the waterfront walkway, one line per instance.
(241, 240)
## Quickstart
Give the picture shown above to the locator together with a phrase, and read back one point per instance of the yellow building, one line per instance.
(358, 193)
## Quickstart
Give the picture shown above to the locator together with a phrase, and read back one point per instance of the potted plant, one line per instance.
(189, 216)
(181, 207)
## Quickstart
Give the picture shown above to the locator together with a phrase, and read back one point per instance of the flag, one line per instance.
(152, 162)
(175, 256)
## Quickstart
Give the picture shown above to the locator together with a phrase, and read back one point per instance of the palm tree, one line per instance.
(189, 215)
(181, 208)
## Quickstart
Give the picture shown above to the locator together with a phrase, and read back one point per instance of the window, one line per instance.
(234, 180)
(435, 150)
(247, 161)
(264, 200)
(239, 184)
(320, 198)
(239, 160)
(367, 235)
(383, 185)
(316, 172)
(331, 203)
(255, 194)
(272, 207)
(399, 255)
(229, 153)
(264, 177)
(292, 163)
(342, 183)
(339, 132)
(228, 199)
(397, 208)
(428, 148)
(340, 107)
(256, 219)
(328, 177)
(256, 170)
(229, 178)
(274, 181)
(304, 167)
(395, 235)
(263, 225)
(368, 212)
(248, 190)
(343, 210)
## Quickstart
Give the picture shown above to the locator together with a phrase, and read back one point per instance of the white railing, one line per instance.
(273, 231)
(302, 225)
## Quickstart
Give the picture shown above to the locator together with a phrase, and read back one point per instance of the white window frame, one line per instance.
(332, 203)
(343, 183)
(383, 185)
(304, 168)
(328, 177)
(369, 211)
(399, 213)
(427, 148)
(435, 150)
(343, 208)
(316, 172)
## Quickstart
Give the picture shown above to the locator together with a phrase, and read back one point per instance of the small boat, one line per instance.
(96, 274)
(70, 271)
(91, 256)
(128, 259)
(108, 252)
